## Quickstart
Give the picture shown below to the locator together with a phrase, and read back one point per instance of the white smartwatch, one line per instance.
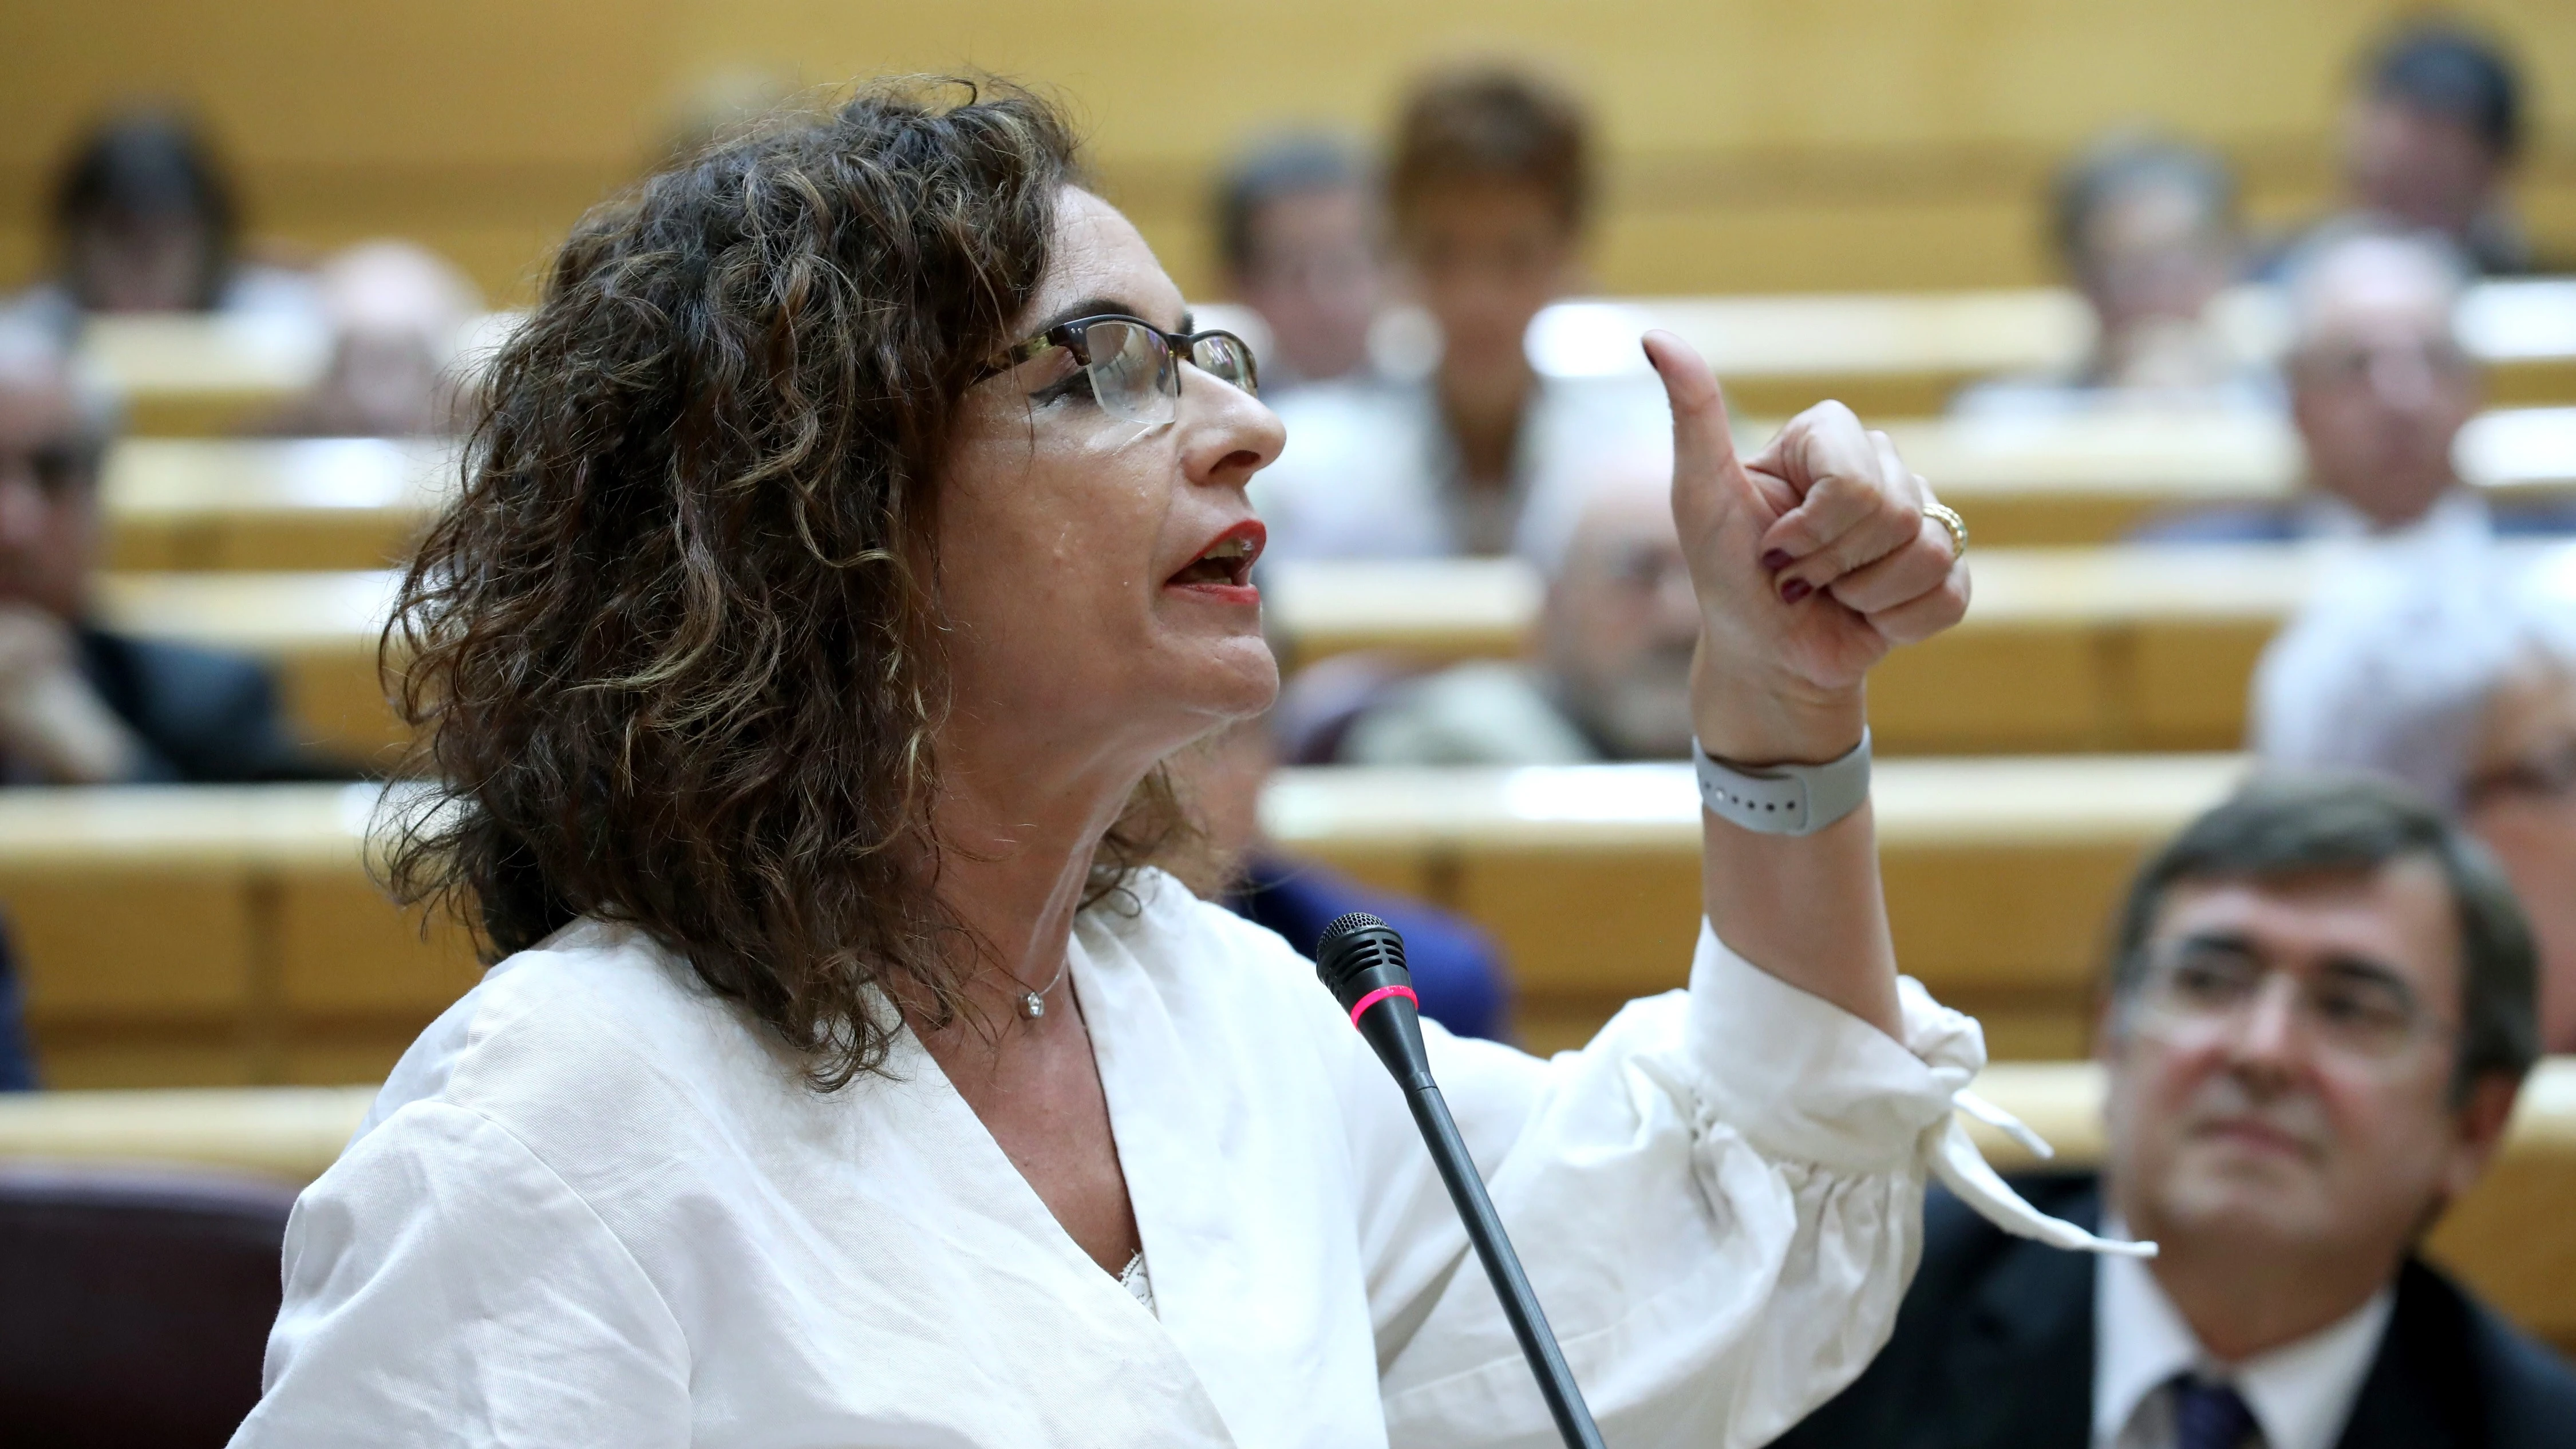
(1784, 799)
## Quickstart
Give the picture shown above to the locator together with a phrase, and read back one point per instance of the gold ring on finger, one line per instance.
(1957, 527)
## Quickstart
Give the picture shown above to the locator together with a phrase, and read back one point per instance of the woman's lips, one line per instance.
(1222, 571)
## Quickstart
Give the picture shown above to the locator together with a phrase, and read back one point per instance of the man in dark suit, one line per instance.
(2320, 1011)
(78, 703)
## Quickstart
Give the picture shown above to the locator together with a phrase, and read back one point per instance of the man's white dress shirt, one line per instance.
(2301, 1393)
(596, 1206)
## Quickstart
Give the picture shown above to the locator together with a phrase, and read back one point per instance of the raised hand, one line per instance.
(1811, 559)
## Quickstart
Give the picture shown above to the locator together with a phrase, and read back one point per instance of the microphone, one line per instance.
(1362, 959)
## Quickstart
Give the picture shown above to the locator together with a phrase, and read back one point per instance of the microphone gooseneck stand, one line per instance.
(1362, 959)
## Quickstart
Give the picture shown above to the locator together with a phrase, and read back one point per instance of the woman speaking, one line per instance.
(851, 535)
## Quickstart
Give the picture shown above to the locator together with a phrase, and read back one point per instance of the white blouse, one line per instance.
(594, 1205)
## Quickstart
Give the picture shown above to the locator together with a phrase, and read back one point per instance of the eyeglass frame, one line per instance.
(1177, 347)
(2421, 1024)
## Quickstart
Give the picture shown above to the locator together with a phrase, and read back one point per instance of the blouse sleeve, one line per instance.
(444, 1286)
(1719, 1203)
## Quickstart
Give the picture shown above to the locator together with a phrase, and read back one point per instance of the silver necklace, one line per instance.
(1033, 1003)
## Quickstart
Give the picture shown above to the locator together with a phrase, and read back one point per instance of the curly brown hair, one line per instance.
(673, 655)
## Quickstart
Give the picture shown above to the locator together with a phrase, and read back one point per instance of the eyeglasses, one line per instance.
(2351, 1009)
(1130, 364)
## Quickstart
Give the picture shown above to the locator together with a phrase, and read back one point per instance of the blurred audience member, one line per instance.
(1611, 676)
(2379, 389)
(2319, 1015)
(2431, 138)
(145, 220)
(1489, 192)
(78, 704)
(397, 315)
(1456, 970)
(2147, 230)
(2459, 681)
(17, 1060)
(1297, 224)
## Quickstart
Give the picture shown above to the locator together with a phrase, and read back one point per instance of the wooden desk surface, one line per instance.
(1471, 608)
(303, 504)
(209, 376)
(1892, 354)
(357, 503)
(2048, 800)
(2511, 1237)
(2001, 874)
(2128, 648)
(190, 935)
(252, 826)
(1888, 354)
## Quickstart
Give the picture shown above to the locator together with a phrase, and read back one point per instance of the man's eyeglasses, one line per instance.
(2347, 1008)
(1131, 365)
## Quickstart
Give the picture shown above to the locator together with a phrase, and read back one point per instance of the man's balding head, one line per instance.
(2379, 384)
(1621, 621)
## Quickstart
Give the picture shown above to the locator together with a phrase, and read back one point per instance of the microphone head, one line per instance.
(1359, 954)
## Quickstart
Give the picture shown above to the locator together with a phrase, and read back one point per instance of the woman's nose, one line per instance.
(1231, 433)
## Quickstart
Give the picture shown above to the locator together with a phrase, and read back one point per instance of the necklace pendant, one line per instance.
(1032, 1006)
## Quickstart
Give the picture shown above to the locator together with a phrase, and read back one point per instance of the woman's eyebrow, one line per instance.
(1087, 307)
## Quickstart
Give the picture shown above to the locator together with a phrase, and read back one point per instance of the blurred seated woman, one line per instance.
(145, 220)
(2147, 229)
(855, 528)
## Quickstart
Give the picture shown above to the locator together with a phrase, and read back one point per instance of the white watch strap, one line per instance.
(1784, 799)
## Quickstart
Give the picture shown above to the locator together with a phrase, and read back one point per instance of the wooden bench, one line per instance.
(2092, 480)
(2129, 648)
(1888, 354)
(1906, 354)
(211, 376)
(357, 503)
(2002, 874)
(318, 631)
(2138, 649)
(207, 935)
(188, 504)
(2510, 1237)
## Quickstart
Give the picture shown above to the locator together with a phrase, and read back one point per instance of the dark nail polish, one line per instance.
(1776, 560)
(1794, 590)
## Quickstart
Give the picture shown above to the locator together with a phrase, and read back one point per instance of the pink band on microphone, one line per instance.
(1383, 992)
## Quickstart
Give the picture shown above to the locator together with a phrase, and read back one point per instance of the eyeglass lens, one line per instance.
(2356, 1013)
(1133, 374)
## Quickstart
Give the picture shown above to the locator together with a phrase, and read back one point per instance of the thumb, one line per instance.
(1703, 440)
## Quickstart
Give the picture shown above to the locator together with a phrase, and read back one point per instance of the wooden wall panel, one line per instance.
(1789, 144)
